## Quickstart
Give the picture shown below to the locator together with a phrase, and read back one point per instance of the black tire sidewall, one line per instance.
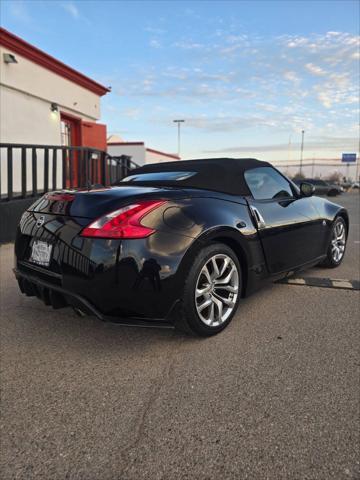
(189, 309)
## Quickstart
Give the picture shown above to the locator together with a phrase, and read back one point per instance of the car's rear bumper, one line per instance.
(58, 297)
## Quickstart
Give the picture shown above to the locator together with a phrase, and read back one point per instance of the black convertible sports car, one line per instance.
(175, 244)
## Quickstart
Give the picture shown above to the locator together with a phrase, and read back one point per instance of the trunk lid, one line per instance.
(92, 204)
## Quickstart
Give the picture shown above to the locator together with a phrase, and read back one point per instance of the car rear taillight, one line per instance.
(123, 223)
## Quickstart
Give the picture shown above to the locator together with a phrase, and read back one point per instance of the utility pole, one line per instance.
(179, 122)
(357, 178)
(302, 150)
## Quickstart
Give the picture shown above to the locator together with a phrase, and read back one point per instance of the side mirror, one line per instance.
(307, 189)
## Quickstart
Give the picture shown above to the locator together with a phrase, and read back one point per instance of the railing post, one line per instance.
(10, 172)
(34, 172)
(46, 170)
(91, 168)
(103, 169)
(71, 179)
(54, 168)
(108, 167)
(86, 165)
(80, 167)
(123, 168)
(23, 172)
(64, 167)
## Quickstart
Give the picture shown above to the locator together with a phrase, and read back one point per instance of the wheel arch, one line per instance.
(343, 213)
(230, 237)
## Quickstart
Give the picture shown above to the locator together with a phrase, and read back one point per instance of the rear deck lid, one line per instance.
(94, 203)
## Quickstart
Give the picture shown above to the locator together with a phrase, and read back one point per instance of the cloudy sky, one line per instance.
(247, 77)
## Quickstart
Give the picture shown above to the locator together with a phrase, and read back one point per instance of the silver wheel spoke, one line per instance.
(219, 307)
(216, 271)
(227, 288)
(212, 313)
(206, 272)
(205, 304)
(202, 291)
(217, 290)
(228, 302)
(227, 279)
(224, 267)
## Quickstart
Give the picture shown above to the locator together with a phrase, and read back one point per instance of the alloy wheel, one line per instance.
(338, 241)
(217, 290)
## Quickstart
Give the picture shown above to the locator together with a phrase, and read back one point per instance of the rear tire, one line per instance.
(212, 290)
(336, 250)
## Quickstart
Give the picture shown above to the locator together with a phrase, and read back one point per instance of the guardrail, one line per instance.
(30, 170)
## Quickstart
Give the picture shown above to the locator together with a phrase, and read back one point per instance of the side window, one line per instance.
(266, 183)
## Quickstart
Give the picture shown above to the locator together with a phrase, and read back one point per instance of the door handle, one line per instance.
(259, 219)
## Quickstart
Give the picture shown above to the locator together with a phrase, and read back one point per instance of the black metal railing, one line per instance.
(31, 170)
(119, 167)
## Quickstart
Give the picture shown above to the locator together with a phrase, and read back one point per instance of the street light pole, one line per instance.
(357, 178)
(302, 150)
(178, 126)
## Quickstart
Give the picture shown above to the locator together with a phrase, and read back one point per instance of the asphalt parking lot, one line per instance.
(275, 396)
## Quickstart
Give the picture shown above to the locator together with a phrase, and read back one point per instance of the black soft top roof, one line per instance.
(219, 174)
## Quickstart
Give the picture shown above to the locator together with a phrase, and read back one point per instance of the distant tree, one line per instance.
(334, 177)
(298, 176)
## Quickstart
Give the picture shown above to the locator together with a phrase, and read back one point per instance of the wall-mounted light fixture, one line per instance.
(9, 58)
(54, 107)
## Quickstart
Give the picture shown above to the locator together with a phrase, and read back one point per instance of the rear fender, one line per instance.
(220, 220)
(247, 249)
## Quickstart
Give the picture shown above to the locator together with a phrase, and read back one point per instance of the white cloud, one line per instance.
(315, 69)
(312, 143)
(71, 8)
(292, 77)
(261, 80)
(155, 30)
(189, 45)
(341, 80)
(19, 11)
(155, 43)
(263, 118)
(176, 73)
(334, 47)
(330, 94)
(296, 42)
(325, 99)
(132, 113)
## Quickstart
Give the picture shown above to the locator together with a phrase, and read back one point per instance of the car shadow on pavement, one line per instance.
(41, 326)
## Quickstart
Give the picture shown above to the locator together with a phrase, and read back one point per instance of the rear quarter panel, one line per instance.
(227, 220)
(328, 211)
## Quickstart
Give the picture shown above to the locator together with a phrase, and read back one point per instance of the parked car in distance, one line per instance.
(346, 185)
(175, 244)
(322, 187)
